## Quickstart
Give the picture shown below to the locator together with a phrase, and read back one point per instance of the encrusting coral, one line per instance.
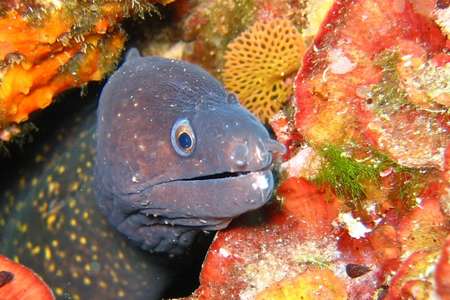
(259, 63)
(47, 47)
(364, 212)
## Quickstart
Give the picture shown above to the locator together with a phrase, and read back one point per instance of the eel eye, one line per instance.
(183, 137)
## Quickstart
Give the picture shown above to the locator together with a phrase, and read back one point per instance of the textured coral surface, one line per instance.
(364, 212)
(259, 62)
(47, 47)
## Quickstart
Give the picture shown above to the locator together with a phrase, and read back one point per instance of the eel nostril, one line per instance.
(240, 155)
(274, 146)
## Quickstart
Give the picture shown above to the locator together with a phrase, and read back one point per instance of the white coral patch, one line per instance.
(224, 252)
(305, 163)
(339, 63)
(355, 228)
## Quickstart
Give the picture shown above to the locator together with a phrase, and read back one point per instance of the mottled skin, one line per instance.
(155, 196)
(50, 222)
(49, 218)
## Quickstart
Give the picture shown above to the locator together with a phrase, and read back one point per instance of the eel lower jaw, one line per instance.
(210, 198)
(166, 217)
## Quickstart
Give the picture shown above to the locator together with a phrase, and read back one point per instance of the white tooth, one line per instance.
(260, 182)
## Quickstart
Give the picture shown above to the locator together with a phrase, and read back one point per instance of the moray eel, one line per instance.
(173, 153)
(176, 154)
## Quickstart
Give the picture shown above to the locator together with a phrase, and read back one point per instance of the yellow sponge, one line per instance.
(258, 62)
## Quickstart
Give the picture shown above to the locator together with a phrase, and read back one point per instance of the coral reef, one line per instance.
(279, 256)
(212, 30)
(259, 63)
(47, 47)
(209, 26)
(363, 199)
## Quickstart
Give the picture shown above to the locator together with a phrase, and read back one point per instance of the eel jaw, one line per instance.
(166, 217)
(213, 197)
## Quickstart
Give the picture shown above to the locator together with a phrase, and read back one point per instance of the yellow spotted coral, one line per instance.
(259, 62)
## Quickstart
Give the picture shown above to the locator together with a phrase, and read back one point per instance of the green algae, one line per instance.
(344, 174)
(411, 189)
(348, 177)
(412, 180)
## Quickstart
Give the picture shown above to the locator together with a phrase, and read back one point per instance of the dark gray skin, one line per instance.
(158, 197)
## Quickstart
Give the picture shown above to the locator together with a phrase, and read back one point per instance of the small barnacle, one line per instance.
(258, 62)
(355, 270)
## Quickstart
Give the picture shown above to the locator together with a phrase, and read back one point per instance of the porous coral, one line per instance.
(259, 63)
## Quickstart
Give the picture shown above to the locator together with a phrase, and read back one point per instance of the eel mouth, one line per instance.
(216, 176)
(171, 212)
(266, 166)
(211, 197)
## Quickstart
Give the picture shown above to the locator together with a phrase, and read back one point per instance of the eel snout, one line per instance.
(241, 154)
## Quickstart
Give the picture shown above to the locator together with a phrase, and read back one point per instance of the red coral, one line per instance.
(20, 283)
(341, 68)
(250, 259)
(312, 209)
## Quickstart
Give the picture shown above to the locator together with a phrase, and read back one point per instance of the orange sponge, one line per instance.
(47, 47)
